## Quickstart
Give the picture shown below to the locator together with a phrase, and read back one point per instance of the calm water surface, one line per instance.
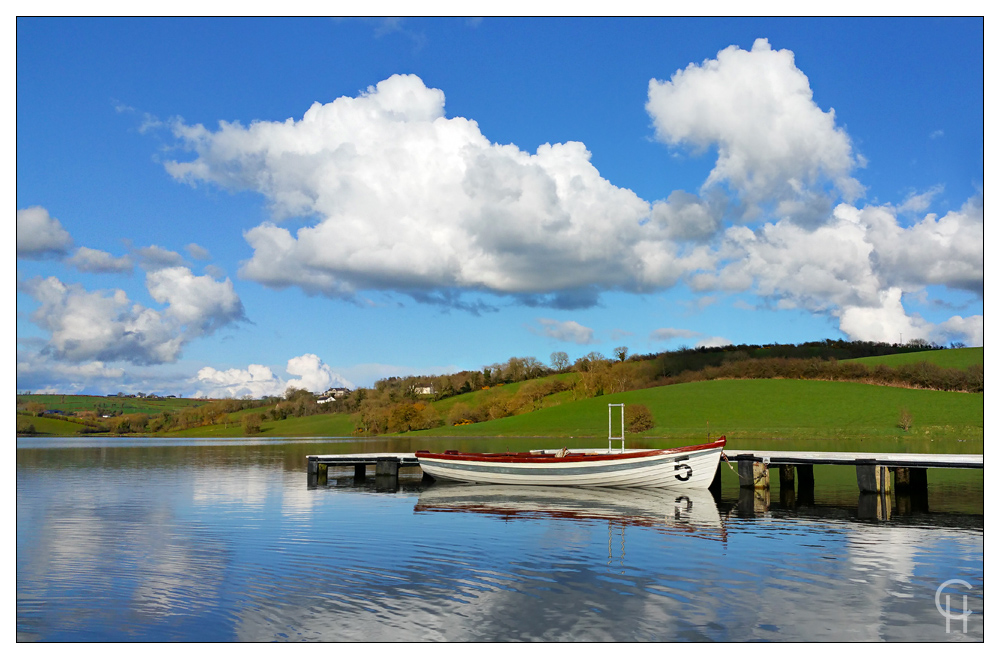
(188, 540)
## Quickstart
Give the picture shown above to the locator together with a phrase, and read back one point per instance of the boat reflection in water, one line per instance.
(689, 512)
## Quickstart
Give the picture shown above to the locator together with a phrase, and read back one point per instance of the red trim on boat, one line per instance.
(528, 457)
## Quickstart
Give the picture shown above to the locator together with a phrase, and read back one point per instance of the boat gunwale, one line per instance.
(530, 458)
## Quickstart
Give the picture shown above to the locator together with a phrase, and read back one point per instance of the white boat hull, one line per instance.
(690, 467)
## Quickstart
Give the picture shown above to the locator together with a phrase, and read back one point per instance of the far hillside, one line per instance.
(953, 358)
(519, 387)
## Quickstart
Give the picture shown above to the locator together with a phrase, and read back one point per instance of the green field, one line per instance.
(124, 405)
(47, 426)
(953, 358)
(319, 425)
(749, 411)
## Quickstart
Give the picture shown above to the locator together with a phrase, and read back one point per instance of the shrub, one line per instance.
(251, 423)
(638, 418)
(460, 414)
(905, 419)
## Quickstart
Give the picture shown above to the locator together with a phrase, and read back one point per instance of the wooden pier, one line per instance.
(875, 473)
(387, 466)
(872, 468)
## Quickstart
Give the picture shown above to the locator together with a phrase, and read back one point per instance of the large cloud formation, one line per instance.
(390, 194)
(257, 381)
(406, 199)
(857, 266)
(776, 147)
(107, 326)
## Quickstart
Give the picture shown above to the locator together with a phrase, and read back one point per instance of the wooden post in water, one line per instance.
(875, 505)
(786, 479)
(753, 501)
(918, 480)
(787, 476)
(901, 478)
(359, 472)
(311, 470)
(753, 474)
(872, 477)
(387, 474)
(805, 473)
(912, 498)
(807, 483)
(321, 473)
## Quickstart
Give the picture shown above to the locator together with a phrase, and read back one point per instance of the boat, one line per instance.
(685, 467)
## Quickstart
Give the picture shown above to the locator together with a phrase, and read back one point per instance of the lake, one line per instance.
(124, 539)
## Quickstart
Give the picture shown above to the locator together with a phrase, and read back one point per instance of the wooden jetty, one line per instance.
(875, 471)
(384, 463)
(909, 469)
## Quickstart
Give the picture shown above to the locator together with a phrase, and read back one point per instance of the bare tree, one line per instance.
(559, 360)
(621, 352)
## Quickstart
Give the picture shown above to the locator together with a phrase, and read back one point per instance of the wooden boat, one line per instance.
(685, 467)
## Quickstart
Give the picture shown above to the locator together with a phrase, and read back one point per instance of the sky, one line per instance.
(228, 207)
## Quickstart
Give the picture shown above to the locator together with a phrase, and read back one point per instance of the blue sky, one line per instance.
(463, 191)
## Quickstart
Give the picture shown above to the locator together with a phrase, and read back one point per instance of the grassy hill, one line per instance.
(754, 410)
(952, 358)
(47, 426)
(125, 405)
(320, 425)
(746, 410)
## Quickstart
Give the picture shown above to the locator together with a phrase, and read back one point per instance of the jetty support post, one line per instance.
(872, 477)
(359, 472)
(753, 474)
(805, 474)
(753, 502)
(321, 473)
(312, 468)
(787, 476)
(910, 478)
(786, 480)
(875, 505)
(911, 490)
(387, 474)
(807, 484)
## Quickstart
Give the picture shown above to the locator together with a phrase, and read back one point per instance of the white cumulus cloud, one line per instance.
(670, 333)
(154, 257)
(775, 145)
(397, 196)
(39, 374)
(94, 260)
(856, 266)
(568, 331)
(40, 235)
(257, 381)
(107, 326)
